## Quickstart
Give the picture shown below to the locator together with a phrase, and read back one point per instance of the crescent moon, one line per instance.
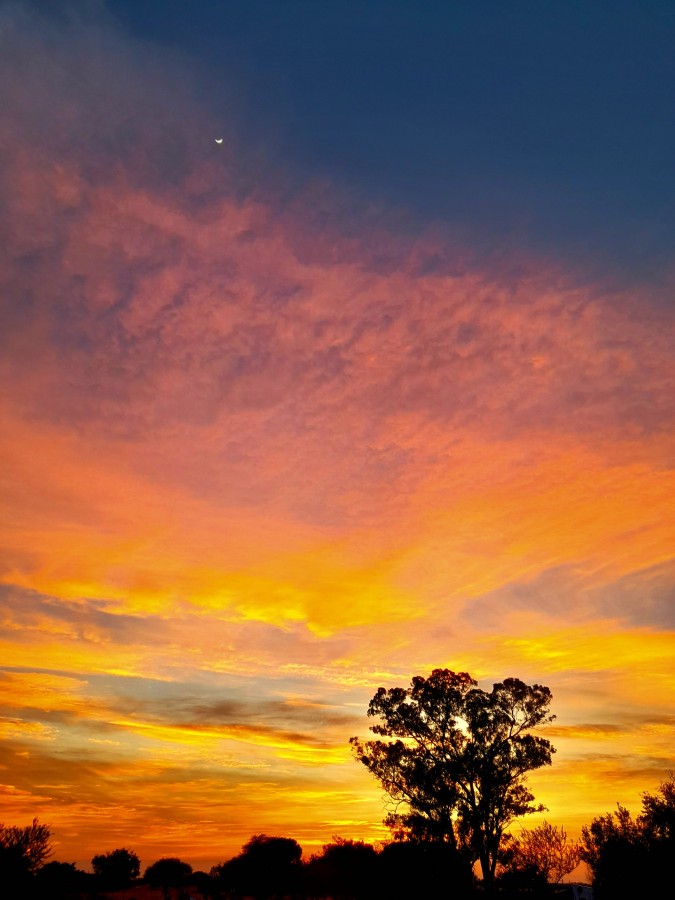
(219, 140)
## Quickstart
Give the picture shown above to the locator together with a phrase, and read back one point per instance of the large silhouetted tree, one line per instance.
(456, 757)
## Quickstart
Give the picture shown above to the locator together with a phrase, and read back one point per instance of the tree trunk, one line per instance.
(488, 871)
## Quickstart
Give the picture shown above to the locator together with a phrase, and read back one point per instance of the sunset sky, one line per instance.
(382, 383)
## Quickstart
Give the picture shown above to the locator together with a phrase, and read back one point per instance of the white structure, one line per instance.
(577, 891)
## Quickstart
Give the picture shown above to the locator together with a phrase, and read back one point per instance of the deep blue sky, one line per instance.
(548, 123)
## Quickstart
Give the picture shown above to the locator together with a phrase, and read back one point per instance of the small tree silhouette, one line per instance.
(30, 843)
(166, 873)
(266, 867)
(544, 852)
(633, 857)
(117, 869)
(344, 870)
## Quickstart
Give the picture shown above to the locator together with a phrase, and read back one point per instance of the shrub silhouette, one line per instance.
(166, 873)
(629, 856)
(266, 867)
(116, 869)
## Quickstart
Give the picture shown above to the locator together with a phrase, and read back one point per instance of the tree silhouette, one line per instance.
(344, 870)
(206, 883)
(423, 868)
(166, 873)
(629, 856)
(457, 757)
(30, 843)
(15, 875)
(61, 880)
(543, 853)
(658, 814)
(23, 850)
(116, 869)
(266, 867)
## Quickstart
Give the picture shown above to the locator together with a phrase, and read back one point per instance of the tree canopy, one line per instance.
(267, 866)
(542, 853)
(168, 872)
(455, 758)
(23, 851)
(117, 869)
(30, 843)
(344, 870)
(60, 881)
(630, 856)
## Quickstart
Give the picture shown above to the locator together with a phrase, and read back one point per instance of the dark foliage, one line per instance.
(62, 880)
(15, 874)
(427, 869)
(168, 872)
(205, 884)
(542, 855)
(344, 870)
(266, 867)
(523, 881)
(31, 843)
(634, 857)
(23, 851)
(117, 869)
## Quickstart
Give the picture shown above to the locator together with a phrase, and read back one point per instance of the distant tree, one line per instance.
(456, 758)
(266, 867)
(344, 870)
(543, 854)
(166, 873)
(116, 869)
(205, 882)
(61, 880)
(629, 856)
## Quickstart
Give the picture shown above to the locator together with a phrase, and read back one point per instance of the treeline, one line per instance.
(626, 856)
(266, 867)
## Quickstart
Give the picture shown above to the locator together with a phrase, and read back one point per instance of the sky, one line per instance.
(381, 383)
